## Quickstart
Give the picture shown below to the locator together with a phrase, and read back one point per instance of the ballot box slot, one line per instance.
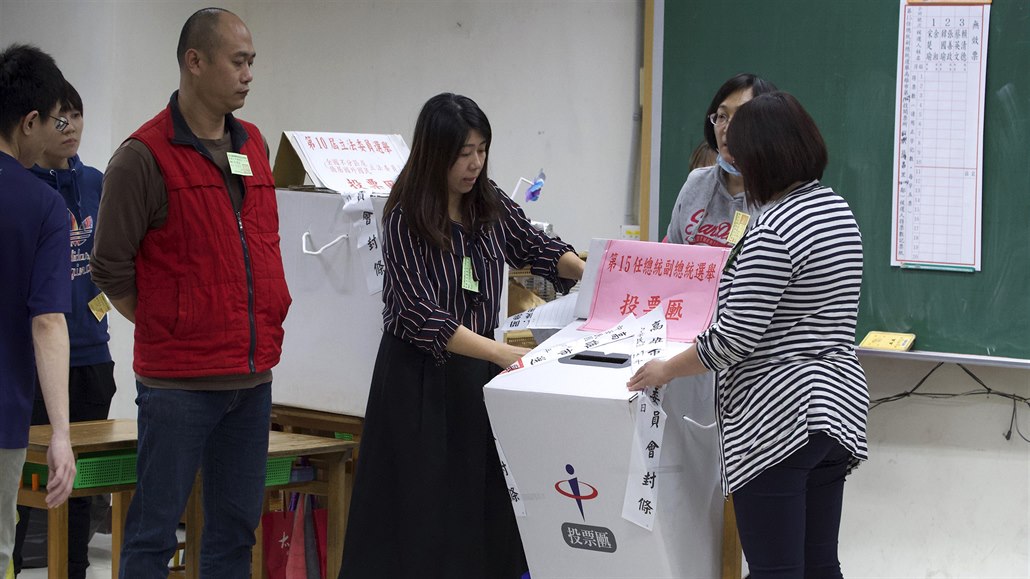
(598, 359)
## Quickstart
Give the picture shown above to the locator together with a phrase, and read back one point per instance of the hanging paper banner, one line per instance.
(640, 503)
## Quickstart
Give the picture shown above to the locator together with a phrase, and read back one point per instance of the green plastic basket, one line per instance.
(118, 468)
(93, 470)
(277, 470)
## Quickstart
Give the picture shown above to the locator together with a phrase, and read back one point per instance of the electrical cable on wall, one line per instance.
(983, 390)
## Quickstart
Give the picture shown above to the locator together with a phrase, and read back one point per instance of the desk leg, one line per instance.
(338, 499)
(119, 510)
(194, 528)
(57, 542)
(731, 554)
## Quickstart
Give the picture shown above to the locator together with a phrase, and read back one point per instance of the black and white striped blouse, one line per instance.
(422, 291)
(784, 340)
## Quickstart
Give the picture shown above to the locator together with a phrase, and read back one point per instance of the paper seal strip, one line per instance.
(517, 504)
(640, 504)
(358, 206)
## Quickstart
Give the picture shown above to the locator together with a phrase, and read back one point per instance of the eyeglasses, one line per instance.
(719, 119)
(60, 123)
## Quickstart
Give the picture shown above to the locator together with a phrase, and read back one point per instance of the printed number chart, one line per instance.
(938, 147)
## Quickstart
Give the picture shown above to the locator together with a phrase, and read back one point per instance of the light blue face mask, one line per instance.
(726, 166)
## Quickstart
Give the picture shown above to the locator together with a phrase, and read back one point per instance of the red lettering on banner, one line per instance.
(629, 305)
(702, 268)
(675, 310)
(613, 261)
(653, 302)
(677, 270)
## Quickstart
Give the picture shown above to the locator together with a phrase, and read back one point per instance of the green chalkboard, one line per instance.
(839, 57)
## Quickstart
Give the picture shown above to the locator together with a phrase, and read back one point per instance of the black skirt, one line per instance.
(429, 498)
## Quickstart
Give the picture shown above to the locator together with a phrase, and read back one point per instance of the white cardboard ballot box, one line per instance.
(566, 430)
(335, 323)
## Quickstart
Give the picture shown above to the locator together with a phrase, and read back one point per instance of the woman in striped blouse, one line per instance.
(792, 398)
(430, 498)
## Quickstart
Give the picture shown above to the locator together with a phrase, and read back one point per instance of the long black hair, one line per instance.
(421, 188)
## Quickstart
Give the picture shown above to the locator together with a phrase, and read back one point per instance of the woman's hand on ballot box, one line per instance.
(658, 372)
(653, 373)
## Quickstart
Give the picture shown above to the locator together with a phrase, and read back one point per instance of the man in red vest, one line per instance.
(187, 248)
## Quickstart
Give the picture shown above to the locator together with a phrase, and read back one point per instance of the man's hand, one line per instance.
(61, 461)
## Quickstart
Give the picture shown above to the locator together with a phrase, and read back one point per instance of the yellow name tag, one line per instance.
(740, 221)
(239, 165)
(99, 306)
(468, 281)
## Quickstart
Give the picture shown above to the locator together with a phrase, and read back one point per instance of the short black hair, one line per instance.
(757, 85)
(200, 32)
(29, 81)
(774, 143)
(70, 100)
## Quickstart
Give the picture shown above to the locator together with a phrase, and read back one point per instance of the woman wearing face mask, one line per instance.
(91, 374)
(711, 196)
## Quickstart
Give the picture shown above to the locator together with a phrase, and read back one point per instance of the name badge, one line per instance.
(99, 306)
(740, 221)
(239, 165)
(468, 282)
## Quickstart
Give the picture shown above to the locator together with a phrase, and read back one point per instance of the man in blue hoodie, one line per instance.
(91, 377)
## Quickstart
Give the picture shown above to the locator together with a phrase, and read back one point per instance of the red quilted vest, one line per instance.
(212, 294)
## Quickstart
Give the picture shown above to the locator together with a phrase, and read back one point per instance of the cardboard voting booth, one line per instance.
(332, 256)
(569, 433)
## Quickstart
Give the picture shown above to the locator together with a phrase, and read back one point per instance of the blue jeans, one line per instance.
(226, 434)
(789, 516)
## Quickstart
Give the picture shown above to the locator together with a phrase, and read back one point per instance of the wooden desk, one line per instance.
(329, 455)
(317, 422)
(86, 437)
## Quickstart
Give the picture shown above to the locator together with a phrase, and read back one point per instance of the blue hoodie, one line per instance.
(80, 187)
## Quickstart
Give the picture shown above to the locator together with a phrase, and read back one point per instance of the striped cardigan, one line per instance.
(784, 341)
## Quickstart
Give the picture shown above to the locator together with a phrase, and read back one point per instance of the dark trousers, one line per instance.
(90, 390)
(224, 433)
(789, 516)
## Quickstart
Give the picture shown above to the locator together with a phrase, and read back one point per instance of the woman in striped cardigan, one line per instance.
(792, 397)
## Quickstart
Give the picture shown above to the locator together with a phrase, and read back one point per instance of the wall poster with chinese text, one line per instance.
(351, 162)
(938, 141)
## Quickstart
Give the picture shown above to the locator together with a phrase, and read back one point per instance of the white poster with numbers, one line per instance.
(938, 141)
